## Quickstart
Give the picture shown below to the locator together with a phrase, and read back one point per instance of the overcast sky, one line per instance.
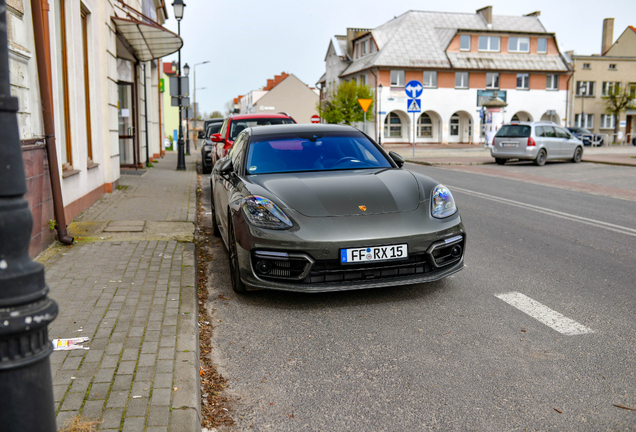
(249, 41)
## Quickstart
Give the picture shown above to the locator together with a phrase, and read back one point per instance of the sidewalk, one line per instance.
(476, 155)
(129, 285)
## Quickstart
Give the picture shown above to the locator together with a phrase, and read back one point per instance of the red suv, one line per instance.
(235, 123)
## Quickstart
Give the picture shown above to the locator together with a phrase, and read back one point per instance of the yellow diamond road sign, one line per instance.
(365, 104)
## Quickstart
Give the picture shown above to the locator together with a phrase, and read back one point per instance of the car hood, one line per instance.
(344, 193)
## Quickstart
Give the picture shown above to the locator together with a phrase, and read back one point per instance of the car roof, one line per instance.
(536, 123)
(253, 116)
(300, 128)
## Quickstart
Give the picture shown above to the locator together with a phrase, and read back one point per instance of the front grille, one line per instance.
(334, 271)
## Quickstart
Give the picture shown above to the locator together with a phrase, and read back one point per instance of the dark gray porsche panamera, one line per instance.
(315, 208)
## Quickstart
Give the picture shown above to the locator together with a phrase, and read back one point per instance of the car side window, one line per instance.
(236, 152)
(561, 133)
(539, 131)
(549, 132)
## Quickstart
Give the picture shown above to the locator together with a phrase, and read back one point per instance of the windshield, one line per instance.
(323, 151)
(514, 131)
(239, 125)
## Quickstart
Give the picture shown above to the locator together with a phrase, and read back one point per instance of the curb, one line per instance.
(185, 413)
(427, 163)
(609, 163)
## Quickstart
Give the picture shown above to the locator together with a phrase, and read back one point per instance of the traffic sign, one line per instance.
(413, 89)
(315, 118)
(365, 104)
(414, 105)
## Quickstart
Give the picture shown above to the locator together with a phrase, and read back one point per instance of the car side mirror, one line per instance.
(216, 137)
(226, 167)
(399, 160)
(200, 135)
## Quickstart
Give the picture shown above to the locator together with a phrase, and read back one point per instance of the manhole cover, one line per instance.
(125, 226)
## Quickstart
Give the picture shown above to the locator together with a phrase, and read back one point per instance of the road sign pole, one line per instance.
(414, 134)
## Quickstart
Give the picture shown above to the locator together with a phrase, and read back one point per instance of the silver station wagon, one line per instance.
(535, 141)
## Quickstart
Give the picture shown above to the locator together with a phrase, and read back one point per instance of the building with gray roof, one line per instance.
(462, 60)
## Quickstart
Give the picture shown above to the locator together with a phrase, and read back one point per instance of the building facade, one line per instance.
(103, 85)
(284, 93)
(596, 75)
(462, 61)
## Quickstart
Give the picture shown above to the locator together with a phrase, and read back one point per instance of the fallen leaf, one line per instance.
(560, 412)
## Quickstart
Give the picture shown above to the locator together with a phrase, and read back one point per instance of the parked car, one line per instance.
(235, 123)
(315, 208)
(207, 160)
(586, 137)
(535, 141)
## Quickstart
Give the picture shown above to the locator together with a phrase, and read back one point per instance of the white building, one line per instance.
(462, 60)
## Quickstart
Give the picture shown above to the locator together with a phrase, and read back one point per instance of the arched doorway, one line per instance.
(460, 127)
(551, 116)
(522, 116)
(396, 127)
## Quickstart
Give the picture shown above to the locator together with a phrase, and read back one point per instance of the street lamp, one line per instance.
(26, 388)
(583, 88)
(380, 113)
(178, 6)
(194, 71)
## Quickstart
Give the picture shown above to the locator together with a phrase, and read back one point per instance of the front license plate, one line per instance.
(373, 253)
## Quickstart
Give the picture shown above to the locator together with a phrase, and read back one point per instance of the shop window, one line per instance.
(393, 126)
(425, 126)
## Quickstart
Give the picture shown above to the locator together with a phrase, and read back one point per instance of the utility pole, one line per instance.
(26, 388)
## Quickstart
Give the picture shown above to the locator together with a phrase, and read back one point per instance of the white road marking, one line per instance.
(544, 314)
(593, 222)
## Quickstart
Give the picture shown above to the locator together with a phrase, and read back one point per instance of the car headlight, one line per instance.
(442, 202)
(263, 213)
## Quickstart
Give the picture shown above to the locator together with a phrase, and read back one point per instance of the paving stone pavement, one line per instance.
(137, 302)
(160, 194)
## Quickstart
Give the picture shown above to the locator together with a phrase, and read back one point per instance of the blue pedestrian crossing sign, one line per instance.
(414, 105)
(413, 89)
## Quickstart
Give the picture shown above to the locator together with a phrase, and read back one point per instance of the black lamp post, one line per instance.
(178, 6)
(186, 72)
(26, 389)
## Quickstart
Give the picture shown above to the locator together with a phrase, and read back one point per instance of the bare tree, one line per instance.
(229, 107)
(216, 114)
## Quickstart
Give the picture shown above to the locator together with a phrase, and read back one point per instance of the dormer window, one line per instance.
(518, 44)
(489, 43)
(542, 45)
(364, 47)
(464, 43)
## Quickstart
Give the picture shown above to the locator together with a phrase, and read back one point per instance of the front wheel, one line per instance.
(235, 271)
(541, 157)
(578, 155)
(500, 161)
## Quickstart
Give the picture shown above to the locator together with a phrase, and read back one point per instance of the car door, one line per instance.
(550, 142)
(566, 146)
(229, 183)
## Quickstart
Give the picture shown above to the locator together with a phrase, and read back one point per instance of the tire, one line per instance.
(578, 155)
(235, 273)
(541, 157)
(600, 143)
(500, 161)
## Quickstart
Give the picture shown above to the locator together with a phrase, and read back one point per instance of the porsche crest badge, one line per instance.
(363, 208)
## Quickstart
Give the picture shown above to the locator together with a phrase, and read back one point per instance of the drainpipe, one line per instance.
(40, 12)
(146, 117)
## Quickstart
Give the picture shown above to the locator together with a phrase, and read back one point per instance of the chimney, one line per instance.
(270, 84)
(608, 35)
(486, 12)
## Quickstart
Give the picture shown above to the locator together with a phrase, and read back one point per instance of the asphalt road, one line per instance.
(555, 351)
